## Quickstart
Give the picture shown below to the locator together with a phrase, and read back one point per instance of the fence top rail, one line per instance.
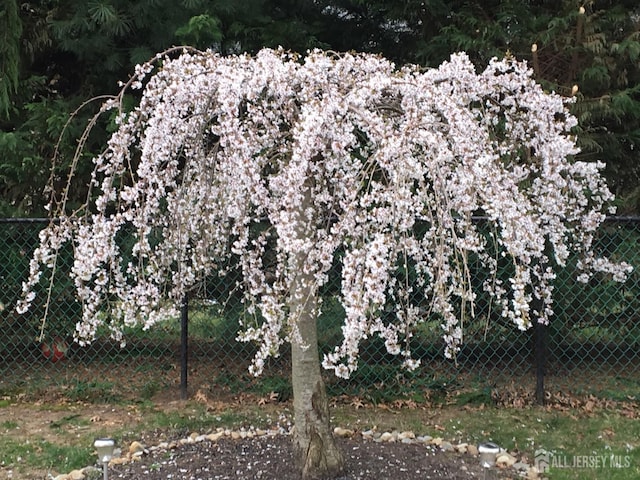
(25, 220)
(475, 218)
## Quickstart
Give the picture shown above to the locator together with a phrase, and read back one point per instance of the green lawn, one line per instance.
(590, 442)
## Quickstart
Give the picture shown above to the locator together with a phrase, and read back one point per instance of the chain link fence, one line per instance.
(592, 345)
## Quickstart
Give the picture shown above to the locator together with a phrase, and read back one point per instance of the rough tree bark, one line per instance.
(314, 445)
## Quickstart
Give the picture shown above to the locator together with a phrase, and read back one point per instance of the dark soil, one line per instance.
(272, 458)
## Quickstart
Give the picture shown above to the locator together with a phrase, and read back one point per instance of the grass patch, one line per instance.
(178, 421)
(92, 391)
(149, 389)
(9, 425)
(391, 383)
(466, 417)
(195, 419)
(44, 455)
(573, 441)
(279, 385)
(477, 397)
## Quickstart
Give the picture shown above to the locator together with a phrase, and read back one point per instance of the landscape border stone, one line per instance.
(137, 450)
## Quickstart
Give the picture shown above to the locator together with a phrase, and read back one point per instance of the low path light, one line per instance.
(104, 447)
(488, 452)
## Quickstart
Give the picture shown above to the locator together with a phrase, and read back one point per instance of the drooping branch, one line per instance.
(388, 165)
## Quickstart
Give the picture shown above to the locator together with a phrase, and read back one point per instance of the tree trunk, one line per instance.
(314, 445)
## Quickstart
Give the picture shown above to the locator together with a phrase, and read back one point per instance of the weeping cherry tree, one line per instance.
(336, 157)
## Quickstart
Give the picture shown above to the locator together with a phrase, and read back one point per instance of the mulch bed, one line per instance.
(272, 458)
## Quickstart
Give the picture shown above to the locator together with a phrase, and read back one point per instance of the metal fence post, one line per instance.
(540, 335)
(184, 347)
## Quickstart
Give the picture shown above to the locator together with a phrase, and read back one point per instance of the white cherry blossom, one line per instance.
(333, 158)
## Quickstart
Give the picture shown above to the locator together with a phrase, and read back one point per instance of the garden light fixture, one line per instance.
(488, 452)
(104, 448)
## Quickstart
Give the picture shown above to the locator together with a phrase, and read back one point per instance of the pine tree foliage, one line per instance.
(10, 32)
(72, 50)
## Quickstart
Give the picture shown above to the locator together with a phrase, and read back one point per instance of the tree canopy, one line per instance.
(290, 164)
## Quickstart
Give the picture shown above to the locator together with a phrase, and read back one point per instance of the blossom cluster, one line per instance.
(341, 157)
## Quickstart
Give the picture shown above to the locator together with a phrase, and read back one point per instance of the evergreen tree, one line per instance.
(56, 54)
(10, 32)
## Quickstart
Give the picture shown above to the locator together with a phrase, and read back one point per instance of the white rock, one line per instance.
(342, 432)
(387, 437)
(446, 446)
(214, 437)
(408, 434)
(368, 434)
(92, 472)
(462, 447)
(136, 447)
(505, 460)
(532, 473)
